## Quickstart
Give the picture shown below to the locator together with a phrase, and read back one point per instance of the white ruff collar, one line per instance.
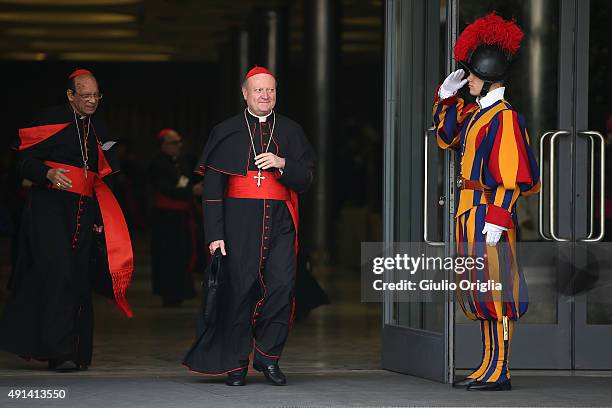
(491, 97)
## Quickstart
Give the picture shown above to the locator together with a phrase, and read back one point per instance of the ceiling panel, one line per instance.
(159, 30)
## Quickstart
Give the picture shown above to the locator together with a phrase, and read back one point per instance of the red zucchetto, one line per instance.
(257, 70)
(78, 72)
(165, 132)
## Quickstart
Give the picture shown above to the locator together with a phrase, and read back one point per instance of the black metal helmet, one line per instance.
(487, 46)
(488, 63)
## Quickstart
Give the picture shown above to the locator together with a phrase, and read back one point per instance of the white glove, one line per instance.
(493, 233)
(452, 84)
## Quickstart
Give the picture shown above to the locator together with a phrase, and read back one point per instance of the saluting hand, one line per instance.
(265, 161)
(452, 84)
(56, 176)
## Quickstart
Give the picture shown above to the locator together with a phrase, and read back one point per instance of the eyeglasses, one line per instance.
(95, 96)
(175, 142)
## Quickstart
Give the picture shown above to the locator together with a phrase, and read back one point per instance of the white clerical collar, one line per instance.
(491, 97)
(78, 114)
(261, 118)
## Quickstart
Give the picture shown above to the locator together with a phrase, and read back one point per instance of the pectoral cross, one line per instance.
(259, 178)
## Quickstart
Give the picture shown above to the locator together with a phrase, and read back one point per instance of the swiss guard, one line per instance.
(497, 166)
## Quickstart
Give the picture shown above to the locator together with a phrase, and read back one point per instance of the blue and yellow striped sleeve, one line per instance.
(449, 116)
(509, 167)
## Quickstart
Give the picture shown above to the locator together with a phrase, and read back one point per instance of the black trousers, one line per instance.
(49, 313)
(171, 253)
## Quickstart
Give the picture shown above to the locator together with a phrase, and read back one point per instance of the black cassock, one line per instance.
(49, 314)
(256, 303)
(173, 246)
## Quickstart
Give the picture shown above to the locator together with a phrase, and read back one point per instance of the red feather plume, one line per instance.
(491, 30)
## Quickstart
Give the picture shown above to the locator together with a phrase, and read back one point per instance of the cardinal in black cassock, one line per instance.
(173, 239)
(49, 314)
(254, 165)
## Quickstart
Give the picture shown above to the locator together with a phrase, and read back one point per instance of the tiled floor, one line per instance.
(332, 359)
(339, 337)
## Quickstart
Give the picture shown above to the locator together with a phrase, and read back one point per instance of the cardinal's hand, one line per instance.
(212, 247)
(56, 176)
(266, 161)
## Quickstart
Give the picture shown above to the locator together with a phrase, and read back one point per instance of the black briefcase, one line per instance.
(211, 287)
(199, 358)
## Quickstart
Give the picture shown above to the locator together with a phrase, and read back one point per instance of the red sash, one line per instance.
(167, 203)
(269, 189)
(118, 242)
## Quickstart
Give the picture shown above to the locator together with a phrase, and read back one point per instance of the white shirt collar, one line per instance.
(491, 97)
(261, 118)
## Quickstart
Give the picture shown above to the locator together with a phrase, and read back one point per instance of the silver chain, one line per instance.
(251, 134)
(83, 146)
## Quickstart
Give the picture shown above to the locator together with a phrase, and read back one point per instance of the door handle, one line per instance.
(592, 189)
(602, 185)
(540, 196)
(426, 193)
(551, 182)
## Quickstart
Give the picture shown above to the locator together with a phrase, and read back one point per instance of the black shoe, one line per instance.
(464, 383)
(63, 366)
(236, 378)
(490, 386)
(273, 373)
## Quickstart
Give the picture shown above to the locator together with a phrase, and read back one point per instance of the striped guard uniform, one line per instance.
(494, 150)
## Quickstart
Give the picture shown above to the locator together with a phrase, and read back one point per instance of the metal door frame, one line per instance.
(411, 50)
(591, 348)
(571, 343)
(543, 346)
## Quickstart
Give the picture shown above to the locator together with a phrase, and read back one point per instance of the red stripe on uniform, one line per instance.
(523, 174)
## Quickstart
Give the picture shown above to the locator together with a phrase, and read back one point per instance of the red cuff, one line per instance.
(499, 216)
(451, 100)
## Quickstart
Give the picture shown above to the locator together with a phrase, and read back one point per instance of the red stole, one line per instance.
(118, 242)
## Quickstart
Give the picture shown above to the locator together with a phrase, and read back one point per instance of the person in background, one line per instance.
(173, 240)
